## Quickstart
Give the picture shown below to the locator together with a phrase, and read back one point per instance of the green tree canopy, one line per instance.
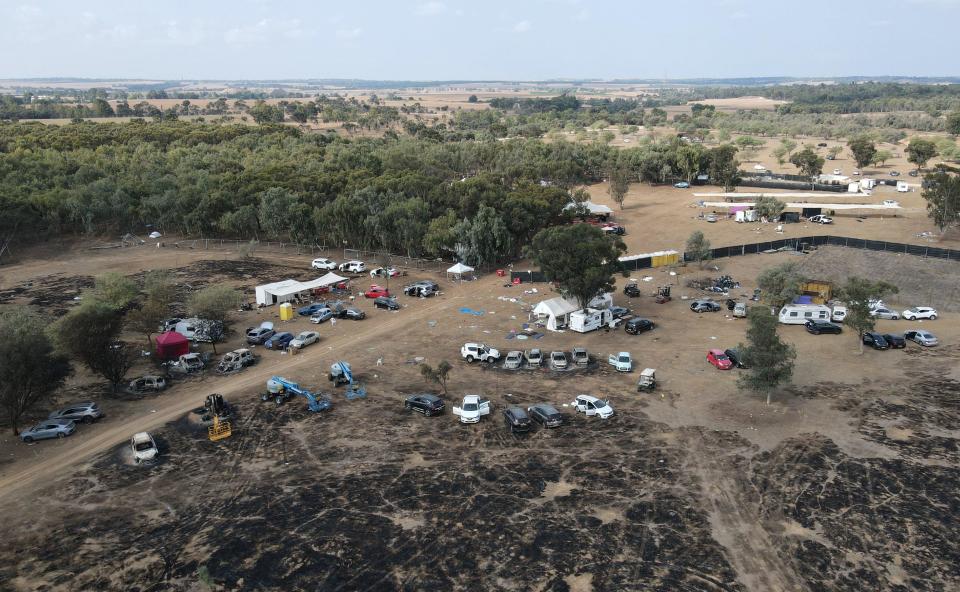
(920, 151)
(769, 207)
(769, 360)
(724, 167)
(698, 247)
(942, 193)
(858, 292)
(863, 150)
(90, 334)
(780, 284)
(808, 162)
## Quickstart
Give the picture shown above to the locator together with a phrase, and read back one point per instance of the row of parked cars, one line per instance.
(517, 419)
(62, 422)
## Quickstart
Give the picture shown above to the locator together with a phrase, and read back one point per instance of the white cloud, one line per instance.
(349, 33)
(264, 30)
(431, 8)
(583, 15)
(739, 15)
(880, 23)
(522, 27)
(193, 34)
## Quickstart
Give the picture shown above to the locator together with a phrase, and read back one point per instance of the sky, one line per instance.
(488, 40)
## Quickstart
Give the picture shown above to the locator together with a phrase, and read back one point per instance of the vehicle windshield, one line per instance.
(722, 357)
(624, 358)
(141, 446)
(470, 406)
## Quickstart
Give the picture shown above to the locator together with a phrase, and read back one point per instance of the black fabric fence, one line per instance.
(528, 277)
(639, 263)
(807, 186)
(801, 243)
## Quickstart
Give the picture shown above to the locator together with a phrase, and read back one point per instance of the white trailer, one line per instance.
(902, 187)
(591, 319)
(798, 314)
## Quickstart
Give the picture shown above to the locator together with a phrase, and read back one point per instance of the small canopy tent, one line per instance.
(458, 270)
(598, 210)
(556, 312)
(172, 345)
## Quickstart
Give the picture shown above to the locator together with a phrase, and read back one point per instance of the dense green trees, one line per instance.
(920, 151)
(863, 150)
(858, 292)
(809, 163)
(942, 193)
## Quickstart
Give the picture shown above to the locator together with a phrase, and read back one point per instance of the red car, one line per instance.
(719, 359)
(376, 291)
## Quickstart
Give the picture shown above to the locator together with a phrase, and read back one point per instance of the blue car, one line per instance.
(279, 341)
(50, 428)
(321, 315)
(310, 310)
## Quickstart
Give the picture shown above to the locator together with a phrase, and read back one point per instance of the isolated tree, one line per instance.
(472, 99)
(619, 183)
(90, 334)
(698, 247)
(808, 162)
(858, 292)
(942, 192)
(769, 207)
(920, 151)
(789, 144)
(724, 167)
(953, 123)
(749, 146)
(863, 150)
(115, 290)
(160, 291)
(780, 284)
(30, 369)
(580, 258)
(780, 153)
(835, 151)
(882, 156)
(212, 305)
(769, 360)
(438, 375)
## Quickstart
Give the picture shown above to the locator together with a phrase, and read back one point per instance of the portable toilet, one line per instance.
(286, 311)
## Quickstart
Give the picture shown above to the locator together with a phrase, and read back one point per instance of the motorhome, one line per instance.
(591, 319)
(798, 314)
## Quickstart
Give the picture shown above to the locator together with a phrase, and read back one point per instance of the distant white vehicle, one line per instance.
(891, 203)
(305, 338)
(472, 409)
(323, 263)
(479, 351)
(920, 312)
(820, 219)
(839, 312)
(590, 406)
(621, 361)
(144, 448)
(837, 171)
(353, 266)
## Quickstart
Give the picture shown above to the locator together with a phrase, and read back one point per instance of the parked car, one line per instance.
(558, 360)
(311, 309)
(279, 341)
(682, 185)
(534, 357)
(894, 173)
(631, 290)
(590, 406)
(546, 415)
(144, 448)
(611, 228)
(323, 263)
(856, 173)
(384, 272)
(236, 360)
(426, 404)
(891, 203)
(885, 313)
(895, 341)
(387, 303)
(920, 312)
(304, 338)
(817, 327)
(421, 288)
(148, 383)
(259, 335)
(513, 360)
(376, 291)
(50, 428)
(353, 266)
(924, 338)
(169, 324)
(321, 315)
(353, 314)
(85, 412)
(638, 325)
(875, 340)
(618, 312)
(735, 357)
(580, 356)
(719, 359)
(621, 361)
(704, 305)
(517, 420)
(914, 173)
(820, 219)
(837, 171)
(472, 409)
(478, 351)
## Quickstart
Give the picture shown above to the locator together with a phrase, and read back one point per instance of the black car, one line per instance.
(426, 404)
(353, 314)
(516, 419)
(736, 358)
(619, 312)
(631, 290)
(387, 303)
(818, 327)
(638, 325)
(704, 306)
(546, 415)
(913, 173)
(875, 340)
(895, 341)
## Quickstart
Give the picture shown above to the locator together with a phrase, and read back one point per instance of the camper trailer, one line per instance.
(591, 319)
(902, 187)
(798, 314)
(746, 215)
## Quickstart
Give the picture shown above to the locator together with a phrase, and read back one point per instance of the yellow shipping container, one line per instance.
(286, 311)
(820, 291)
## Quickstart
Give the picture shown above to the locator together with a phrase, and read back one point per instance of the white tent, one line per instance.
(556, 312)
(458, 270)
(594, 209)
(288, 290)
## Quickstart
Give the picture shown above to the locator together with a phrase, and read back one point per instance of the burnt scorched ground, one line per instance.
(54, 293)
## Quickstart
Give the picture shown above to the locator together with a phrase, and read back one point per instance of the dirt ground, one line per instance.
(848, 481)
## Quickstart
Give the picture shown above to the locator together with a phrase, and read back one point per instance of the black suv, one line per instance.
(736, 358)
(426, 404)
(353, 314)
(546, 415)
(631, 290)
(386, 302)
(818, 327)
(875, 340)
(516, 419)
(895, 341)
(638, 325)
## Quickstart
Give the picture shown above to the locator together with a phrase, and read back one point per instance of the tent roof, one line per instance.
(556, 307)
(170, 337)
(591, 207)
(288, 287)
(460, 268)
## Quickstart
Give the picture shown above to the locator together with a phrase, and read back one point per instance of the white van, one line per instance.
(798, 314)
(839, 313)
(902, 187)
(591, 319)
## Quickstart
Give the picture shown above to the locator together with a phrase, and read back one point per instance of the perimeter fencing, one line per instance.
(805, 242)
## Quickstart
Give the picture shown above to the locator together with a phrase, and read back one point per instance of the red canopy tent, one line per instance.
(172, 345)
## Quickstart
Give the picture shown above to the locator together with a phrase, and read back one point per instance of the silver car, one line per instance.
(513, 360)
(51, 428)
(86, 412)
(885, 313)
(924, 338)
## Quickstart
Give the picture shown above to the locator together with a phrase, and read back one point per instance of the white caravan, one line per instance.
(798, 314)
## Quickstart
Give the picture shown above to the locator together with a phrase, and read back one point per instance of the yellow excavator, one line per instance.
(219, 411)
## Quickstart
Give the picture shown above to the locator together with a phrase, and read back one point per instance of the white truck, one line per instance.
(591, 319)
(472, 409)
(902, 187)
(478, 351)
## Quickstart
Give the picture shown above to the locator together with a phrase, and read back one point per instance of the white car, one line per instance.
(478, 351)
(924, 338)
(920, 312)
(384, 272)
(144, 448)
(820, 219)
(891, 203)
(621, 361)
(590, 405)
(837, 171)
(513, 360)
(353, 266)
(472, 409)
(323, 263)
(558, 360)
(856, 173)
(304, 339)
